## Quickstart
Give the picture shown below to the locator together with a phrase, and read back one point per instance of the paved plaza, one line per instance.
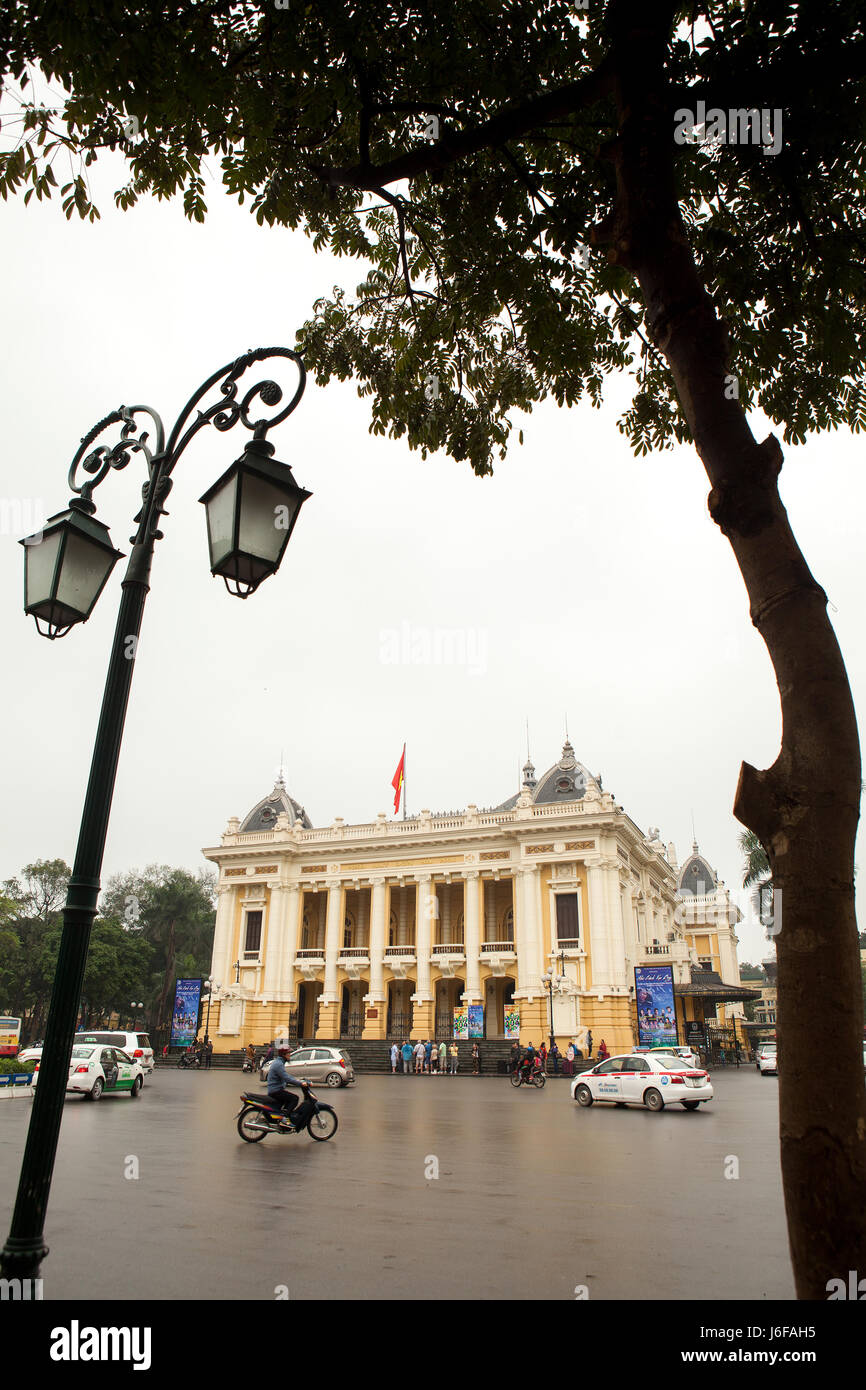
(534, 1197)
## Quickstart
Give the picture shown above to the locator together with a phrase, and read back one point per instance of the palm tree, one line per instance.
(757, 870)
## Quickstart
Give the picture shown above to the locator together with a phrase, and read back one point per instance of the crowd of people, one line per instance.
(430, 1058)
(551, 1060)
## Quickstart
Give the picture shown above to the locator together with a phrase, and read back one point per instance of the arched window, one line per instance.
(305, 932)
(508, 926)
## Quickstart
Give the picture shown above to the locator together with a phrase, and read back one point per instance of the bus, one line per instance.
(10, 1036)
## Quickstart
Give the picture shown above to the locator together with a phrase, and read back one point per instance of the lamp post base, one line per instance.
(22, 1259)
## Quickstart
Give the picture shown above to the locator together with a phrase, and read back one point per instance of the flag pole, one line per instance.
(404, 781)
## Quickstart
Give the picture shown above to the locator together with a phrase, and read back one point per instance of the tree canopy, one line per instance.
(464, 152)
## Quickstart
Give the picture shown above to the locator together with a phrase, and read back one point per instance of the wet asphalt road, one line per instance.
(534, 1195)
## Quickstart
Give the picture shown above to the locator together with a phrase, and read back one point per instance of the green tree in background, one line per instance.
(173, 911)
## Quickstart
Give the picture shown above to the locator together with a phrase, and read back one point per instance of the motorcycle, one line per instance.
(529, 1076)
(189, 1059)
(258, 1116)
(247, 1064)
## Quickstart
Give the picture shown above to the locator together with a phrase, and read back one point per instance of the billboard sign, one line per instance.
(184, 1019)
(656, 1009)
(476, 1020)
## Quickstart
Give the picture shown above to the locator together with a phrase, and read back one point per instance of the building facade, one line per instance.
(542, 905)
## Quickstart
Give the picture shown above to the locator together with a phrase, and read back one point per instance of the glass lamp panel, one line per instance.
(40, 564)
(83, 572)
(221, 520)
(267, 515)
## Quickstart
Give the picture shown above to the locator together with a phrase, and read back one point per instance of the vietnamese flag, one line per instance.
(397, 780)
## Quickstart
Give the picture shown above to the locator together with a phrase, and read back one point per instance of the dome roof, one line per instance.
(567, 780)
(696, 877)
(264, 815)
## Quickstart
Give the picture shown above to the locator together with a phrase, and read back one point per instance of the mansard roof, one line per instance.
(567, 780)
(264, 815)
(696, 877)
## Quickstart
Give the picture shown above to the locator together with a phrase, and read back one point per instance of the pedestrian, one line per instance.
(419, 1058)
(393, 1058)
(443, 1057)
(476, 1060)
(568, 1064)
(406, 1052)
(434, 1056)
(542, 1052)
(208, 1053)
(589, 1045)
(514, 1058)
(428, 1052)
(555, 1057)
(603, 1053)
(454, 1057)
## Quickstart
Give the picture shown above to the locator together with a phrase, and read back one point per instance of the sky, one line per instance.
(416, 603)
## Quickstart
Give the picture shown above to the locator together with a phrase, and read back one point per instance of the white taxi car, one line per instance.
(634, 1079)
(95, 1069)
(767, 1059)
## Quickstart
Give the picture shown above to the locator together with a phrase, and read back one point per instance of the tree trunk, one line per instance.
(805, 808)
(167, 978)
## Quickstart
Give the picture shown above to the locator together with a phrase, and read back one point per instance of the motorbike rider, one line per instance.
(279, 1080)
(527, 1063)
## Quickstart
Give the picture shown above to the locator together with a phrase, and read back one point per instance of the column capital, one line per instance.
(472, 873)
(422, 878)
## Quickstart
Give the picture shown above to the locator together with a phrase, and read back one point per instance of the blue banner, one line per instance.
(184, 1020)
(656, 1010)
(476, 1020)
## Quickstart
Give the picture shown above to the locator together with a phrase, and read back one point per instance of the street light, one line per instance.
(550, 979)
(135, 1008)
(251, 512)
(210, 986)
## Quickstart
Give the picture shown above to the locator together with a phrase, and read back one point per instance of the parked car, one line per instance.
(766, 1059)
(332, 1065)
(95, 1069)
(643, 1079)
(685, 1054)
(136, 1044)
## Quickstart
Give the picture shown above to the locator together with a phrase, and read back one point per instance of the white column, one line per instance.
(424, 919)
(522, 935)
(598, 949)
(222, 937)
(616, 938)
(274, 940)
(472, 936)
(378, 939)
(290, 941)
(333, 939)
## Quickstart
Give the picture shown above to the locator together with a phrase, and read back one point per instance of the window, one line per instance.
(614, 1064)
(253, 939)
(508, 925)
(347, 933)
(567, 928)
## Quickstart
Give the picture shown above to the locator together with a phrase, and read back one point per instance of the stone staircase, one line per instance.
(371, 1057)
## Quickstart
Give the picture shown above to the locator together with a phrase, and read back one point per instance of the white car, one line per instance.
(766, 1059)
(94, 1069)
(634, 1079)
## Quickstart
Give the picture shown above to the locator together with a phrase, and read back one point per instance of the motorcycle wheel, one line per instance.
(322, 1125)
(245, 1125)
(515, 1078)
(540, 1079)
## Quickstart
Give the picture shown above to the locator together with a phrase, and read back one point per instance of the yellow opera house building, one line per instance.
(543, 905)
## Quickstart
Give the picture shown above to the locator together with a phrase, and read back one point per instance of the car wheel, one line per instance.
(583, 1096)
(97, 1089)
(690, 1104)
(653, 1100)
(136, 1087)
(333, 1079)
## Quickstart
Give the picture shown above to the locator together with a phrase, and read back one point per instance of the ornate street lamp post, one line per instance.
(251, 512)
(210, 985)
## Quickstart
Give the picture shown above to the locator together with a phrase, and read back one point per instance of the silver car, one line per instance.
(316, 1062)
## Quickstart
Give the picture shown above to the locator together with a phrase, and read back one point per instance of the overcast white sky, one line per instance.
(579, 581)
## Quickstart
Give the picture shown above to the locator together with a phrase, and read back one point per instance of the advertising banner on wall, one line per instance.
(476, 1020)
(461, 1024)
(512, 1021)
(184, 1019)
(656, 1010)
